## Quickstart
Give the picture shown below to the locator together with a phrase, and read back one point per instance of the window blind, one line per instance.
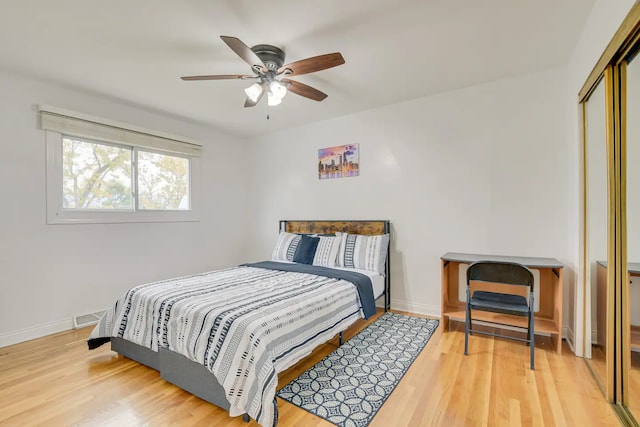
(80, 125)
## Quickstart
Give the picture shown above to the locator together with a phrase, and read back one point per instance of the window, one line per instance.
(98, 179)
(95, 176)
(100, 176)
(163, 181)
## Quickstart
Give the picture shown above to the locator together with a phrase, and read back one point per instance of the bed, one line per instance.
(225, 335)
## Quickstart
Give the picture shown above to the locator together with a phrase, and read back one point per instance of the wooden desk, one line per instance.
(601, 284)
(547, 320)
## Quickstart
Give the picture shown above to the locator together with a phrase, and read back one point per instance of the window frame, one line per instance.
(57, 214)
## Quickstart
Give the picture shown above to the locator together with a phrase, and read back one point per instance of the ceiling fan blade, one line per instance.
(218, 77)
(244, 52)
(313, 64)
(304, 90)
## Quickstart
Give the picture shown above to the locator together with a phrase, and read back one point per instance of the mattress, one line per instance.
(377, 279)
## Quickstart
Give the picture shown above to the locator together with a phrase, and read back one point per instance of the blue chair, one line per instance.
(505, 303)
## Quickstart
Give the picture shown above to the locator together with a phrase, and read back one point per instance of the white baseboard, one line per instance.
(34, 332)
(412, 307)
(569, 337)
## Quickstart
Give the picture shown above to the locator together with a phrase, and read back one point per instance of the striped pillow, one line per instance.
(327, 251)
(286, 246)
(363, 252)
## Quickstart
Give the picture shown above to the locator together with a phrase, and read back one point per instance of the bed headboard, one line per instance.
(330, 227)
(372, 227)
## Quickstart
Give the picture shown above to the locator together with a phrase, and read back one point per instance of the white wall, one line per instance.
(49, 273)
(604, 20)
(481, 170)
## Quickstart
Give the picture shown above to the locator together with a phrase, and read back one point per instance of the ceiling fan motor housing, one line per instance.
(272, 56)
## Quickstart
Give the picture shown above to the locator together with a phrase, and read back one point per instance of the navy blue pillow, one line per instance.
(306, 250)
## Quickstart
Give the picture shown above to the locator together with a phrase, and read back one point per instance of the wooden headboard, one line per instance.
(330, 227)
(353, 227)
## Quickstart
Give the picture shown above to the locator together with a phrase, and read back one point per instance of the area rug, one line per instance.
(348, 387)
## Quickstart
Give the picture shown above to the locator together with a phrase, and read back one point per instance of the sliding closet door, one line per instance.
(597, 351)
(612, 297)
(596, 226)
(631, 285)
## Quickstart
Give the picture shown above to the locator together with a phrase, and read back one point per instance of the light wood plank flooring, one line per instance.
(634, 385)
(55, 381)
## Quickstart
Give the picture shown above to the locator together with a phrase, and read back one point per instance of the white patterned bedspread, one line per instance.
(244, 324)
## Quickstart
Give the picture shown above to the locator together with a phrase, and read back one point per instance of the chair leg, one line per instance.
(466, 334)
(532, 337)
(470, 316)
(467, 326)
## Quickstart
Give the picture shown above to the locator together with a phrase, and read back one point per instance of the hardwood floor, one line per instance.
(634, 385)
(598, 362)
(56, 381)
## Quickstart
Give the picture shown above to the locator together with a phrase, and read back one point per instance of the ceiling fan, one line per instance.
(271, 75)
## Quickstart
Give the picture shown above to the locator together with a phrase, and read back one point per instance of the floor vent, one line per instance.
(87, 319)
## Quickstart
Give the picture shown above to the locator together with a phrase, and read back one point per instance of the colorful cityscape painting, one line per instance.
(339, 162)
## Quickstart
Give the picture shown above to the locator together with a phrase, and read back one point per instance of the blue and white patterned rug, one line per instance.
(348, 387)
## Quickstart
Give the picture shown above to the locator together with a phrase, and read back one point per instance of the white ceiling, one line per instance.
(136, 50)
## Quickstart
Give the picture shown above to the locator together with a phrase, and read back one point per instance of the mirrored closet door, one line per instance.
(630, 295)
(610, 101)
(596, 205)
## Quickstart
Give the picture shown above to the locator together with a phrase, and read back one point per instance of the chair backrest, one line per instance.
(510, 273)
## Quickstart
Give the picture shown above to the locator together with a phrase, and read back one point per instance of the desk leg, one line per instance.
(444, 289)
(556, 342)
(557, 339)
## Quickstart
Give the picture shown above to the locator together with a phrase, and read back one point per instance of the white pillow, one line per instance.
(327, 251)
(363, 252)
(286, 246)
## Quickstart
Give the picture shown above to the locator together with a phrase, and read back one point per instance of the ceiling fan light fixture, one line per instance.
(273, 100)
(277, 89)
(254, 91)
